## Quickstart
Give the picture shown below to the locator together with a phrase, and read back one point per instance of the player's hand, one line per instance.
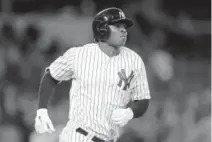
(43, 123)
(122, 116)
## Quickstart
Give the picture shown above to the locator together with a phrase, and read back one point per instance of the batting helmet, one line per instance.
(107, 17)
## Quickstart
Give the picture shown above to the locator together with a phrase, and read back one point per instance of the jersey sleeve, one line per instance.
(62, 68)
(140, 86)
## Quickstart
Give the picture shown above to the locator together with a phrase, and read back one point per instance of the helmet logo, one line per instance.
(105, 18)
(121, 14)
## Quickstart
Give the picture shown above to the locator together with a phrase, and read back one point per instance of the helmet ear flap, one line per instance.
(102, 30)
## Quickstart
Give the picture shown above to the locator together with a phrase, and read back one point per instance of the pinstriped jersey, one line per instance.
(100, 85)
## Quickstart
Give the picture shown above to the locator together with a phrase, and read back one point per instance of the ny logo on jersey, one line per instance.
(124, 81)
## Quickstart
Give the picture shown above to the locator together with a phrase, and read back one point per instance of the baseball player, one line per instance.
(105, 75)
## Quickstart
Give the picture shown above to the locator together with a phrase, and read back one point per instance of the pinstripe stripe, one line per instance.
(97, 77)
(97, 99)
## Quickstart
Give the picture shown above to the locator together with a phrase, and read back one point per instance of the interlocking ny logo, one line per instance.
(124, 79)
(121, 14)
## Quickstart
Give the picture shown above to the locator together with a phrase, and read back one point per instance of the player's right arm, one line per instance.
(60, 70)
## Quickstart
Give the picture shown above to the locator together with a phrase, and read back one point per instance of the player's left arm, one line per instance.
(140, 91)
(140, 98)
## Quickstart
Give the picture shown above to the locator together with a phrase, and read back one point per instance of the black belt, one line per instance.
(82, 131)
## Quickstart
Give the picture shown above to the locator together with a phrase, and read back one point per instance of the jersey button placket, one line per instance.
(106, 77)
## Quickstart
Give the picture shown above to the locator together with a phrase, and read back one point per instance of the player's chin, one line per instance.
(122, 43)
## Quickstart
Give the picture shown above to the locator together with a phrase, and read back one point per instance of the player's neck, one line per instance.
(108, 49)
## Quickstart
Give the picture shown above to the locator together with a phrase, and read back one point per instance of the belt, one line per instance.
(84, 132)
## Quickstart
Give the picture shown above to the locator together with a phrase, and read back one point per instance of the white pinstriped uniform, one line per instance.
(97, 89)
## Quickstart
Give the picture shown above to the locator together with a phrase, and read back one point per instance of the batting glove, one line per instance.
(122, 116)
(43, 123)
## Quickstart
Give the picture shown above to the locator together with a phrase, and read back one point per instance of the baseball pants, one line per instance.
(77, 134)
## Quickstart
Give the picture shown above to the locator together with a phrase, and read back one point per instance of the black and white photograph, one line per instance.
(105, 71)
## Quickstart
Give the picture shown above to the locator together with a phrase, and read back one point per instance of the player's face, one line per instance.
(118, 35)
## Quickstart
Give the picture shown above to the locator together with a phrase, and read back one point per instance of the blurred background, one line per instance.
(172, 36)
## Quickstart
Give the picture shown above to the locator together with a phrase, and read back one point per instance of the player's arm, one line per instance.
(60, 70)
(46, 89)
(139, 107)
(42, 121)
(140, 98)
(140, 92)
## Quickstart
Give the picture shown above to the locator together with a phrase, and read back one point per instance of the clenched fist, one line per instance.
(43, 123)
(122, 116)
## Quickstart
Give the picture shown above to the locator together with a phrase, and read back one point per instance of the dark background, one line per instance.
(172, 36)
